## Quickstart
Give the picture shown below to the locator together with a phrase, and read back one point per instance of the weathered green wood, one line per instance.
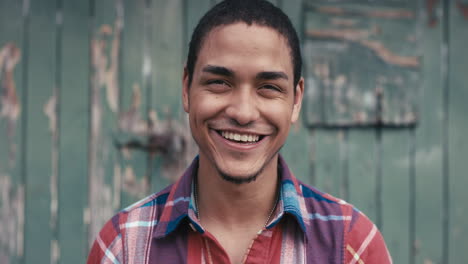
(297, 147)
(328, 170)
(11, 130)
(39, 143)
(396, 162)
(363, 158)
(73, 124)
(458, 131)
(293, 8)
(429, 153)
(382, 40)
(168, 120)
(133, 117)
(104, 190)
(194, 11)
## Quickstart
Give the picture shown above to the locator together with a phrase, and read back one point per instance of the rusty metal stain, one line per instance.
(356, 36)
(10, 55)
(11, 217)
(389, 14)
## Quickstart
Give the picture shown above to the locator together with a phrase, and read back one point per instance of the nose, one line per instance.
(243, 108)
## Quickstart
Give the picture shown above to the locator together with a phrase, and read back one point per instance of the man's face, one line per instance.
(241, 100)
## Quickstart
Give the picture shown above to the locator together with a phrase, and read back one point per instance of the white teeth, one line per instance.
(240, 137)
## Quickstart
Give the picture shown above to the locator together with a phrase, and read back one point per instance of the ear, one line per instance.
(185, 90)
(298, 100)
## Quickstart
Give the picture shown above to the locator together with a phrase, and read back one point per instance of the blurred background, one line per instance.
(91, 117)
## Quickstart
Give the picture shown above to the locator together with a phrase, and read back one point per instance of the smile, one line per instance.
(237, 137)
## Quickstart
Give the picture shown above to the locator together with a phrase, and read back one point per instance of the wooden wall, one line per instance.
(91, 121)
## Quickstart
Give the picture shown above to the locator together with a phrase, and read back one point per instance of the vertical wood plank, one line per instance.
(195, 10)
(297, 147)
(74, 132)
(328, 169)
(429, 150)
(12, 68)
(457, 132)
(134, 93)
(363, 160)
(40, 89)
(104, 193)
(168, 120)
(396, 193)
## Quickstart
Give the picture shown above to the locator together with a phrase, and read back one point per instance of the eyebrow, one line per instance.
(271, 75)
(266, 75)
(218, 70)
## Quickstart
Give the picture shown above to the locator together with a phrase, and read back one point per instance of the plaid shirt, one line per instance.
(308, 227)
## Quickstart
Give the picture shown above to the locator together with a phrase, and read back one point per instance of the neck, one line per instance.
(246, 205)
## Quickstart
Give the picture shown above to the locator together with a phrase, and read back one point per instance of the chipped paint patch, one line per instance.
(359, 37)
(10, 55)
(11, 217)
(424, 158)
(50, 110)
(105, 65)
(132, 185)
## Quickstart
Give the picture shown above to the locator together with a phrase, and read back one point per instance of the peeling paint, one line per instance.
(10, 55)
(105, 65)
(132, 185)
(50, 110)
(389, 14)
(357, 36)
(11, 217)
(424, 158)
(117, 187)
(463, 7)
(170, 139)
(54, 251)
(131, 121)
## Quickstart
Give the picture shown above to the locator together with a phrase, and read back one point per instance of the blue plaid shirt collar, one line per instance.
(180, 205)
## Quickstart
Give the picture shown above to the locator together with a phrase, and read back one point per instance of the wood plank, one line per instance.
(396, 192)
(133, 117)
(73, 124)
(194, 11)
(457, 132)
(429, 153)
(11, 132)
(363, 170)
(104, 194)
(40, 132)
(168, 120)
(328, 169)
(339, 35)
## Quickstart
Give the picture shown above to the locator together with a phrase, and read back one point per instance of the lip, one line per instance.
(236, 146)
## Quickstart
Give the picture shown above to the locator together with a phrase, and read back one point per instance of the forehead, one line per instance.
(244, 44)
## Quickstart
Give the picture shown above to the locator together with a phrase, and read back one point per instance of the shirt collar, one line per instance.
(180, 204)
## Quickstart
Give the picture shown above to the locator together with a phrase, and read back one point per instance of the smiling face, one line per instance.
(241, 100)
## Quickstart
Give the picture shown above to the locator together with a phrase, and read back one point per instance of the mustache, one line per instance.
(231, 124)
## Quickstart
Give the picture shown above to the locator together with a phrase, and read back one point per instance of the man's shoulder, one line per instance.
(313, 196)
(150, 206)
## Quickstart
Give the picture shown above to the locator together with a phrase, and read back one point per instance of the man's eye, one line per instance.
(271, 87)
(216, 82)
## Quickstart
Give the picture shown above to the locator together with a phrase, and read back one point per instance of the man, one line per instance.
(238, 202)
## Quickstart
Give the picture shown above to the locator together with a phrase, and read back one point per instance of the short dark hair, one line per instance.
(258, 12)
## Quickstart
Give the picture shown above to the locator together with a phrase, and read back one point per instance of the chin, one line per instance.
(240, 177)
